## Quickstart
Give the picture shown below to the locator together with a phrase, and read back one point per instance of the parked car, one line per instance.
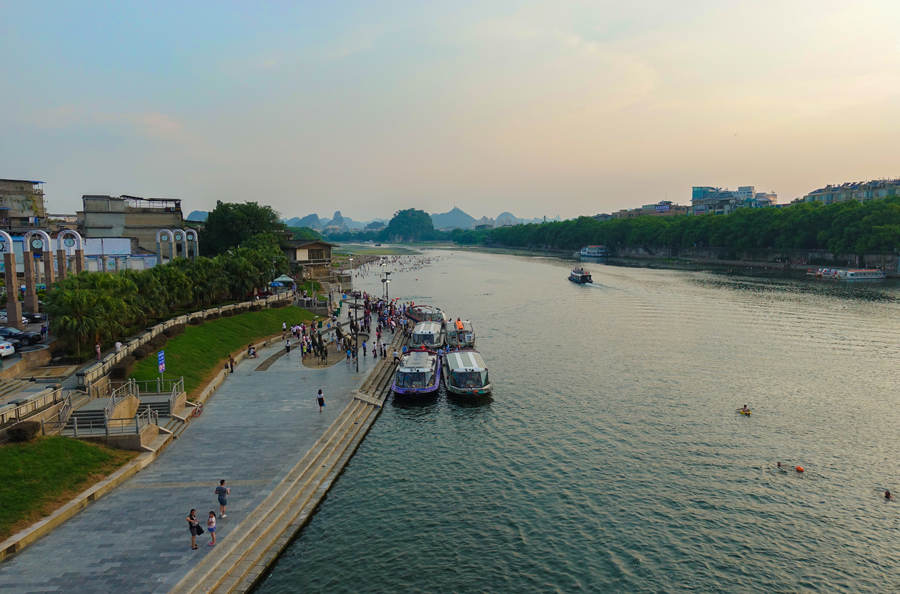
(25, 338)
(27, 317)
(6, 349)
(3, 319)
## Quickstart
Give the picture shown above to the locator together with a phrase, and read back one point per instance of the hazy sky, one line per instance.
(538, 108)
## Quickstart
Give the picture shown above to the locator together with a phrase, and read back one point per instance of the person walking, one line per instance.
(287, 346)
(97, 348)
(283, 329)
(231, 363)
(193, 523)
(320, 400)
(211, 528)
(222, 492)
(364, 348)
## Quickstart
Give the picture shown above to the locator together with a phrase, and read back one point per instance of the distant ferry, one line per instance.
(594, 251)
(852, 274)
(580, 276)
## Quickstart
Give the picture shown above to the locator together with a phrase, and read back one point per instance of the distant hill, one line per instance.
(456, 218)
(197, 215)
(311, 221)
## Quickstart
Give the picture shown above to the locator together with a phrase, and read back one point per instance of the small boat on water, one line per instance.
(852, 274)
(580, 276)
(427, 335)
(425, 313)
(419, 373)
(465, 373)
(594, 251)
(459, 334)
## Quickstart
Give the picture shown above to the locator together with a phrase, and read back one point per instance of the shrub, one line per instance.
(157, 341)
(256, 308)
(196, 321)
(118, 372)
(227, 313)
(213, 316)
(280, 304)
(173, 331)
(24, 431)
(141, 352)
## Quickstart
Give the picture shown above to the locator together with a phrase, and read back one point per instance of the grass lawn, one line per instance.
(42, 475)
(201, 351)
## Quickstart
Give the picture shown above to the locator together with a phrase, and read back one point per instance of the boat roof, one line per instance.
(465, 361)
(416, 361)
(427, 328)
(425, 308)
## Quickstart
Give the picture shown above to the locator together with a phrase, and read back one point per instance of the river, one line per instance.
(611, 458)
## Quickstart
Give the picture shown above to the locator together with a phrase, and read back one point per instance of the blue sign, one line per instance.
(161, 359)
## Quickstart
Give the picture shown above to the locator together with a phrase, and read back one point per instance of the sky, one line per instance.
(536, 108)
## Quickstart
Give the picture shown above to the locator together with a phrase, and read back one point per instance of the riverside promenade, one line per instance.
(256, 431)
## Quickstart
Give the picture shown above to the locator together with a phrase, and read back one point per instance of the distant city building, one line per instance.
(312, 254)
(597, 217)
(128, 216)
(21, 205)
(711, 200)
(861, 191)
(664, 208)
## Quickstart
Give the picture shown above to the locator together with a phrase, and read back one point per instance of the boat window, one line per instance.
(423, 339)
(467, 379)
(411, 380)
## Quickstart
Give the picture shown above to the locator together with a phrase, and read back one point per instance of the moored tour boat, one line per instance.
(459, 334)
(580, 276)
(425, 313)
(465, 373)
(427, 335)
(594, 251)
(852, 274)
(419, 373)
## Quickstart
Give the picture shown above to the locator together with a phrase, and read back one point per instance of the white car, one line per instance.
(6, 349)
(4, 321)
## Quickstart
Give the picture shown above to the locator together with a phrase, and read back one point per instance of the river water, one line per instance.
(611, 458)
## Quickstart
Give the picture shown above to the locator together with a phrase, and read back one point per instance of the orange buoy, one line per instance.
(799, 469)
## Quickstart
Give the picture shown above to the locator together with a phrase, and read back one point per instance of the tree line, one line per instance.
(845, 227)
(100, 307)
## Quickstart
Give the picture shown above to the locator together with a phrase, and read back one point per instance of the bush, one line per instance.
(118, 372)
(227, 313)
(280, 304)
(196, 321)
(157, 341)
(256, 308)
(24, 431)
(141, 352)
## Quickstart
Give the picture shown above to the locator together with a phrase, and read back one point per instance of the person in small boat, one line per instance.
(888, 496)
(744, 410)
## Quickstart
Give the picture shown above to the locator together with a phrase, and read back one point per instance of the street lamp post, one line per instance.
(387, 290)
(356, 315)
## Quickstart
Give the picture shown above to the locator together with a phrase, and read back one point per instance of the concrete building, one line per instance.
(664, 208)
(21, 205)
(597, 217)
(861, 191)
(711, 200)
(128, 216)
(313, 255)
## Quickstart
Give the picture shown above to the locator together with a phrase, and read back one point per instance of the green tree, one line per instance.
(230, 224)
(410, 225)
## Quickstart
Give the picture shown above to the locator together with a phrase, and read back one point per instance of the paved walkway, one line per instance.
(256, 426)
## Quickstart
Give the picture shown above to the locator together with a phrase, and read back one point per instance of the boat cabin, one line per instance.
(429, 335)
(426, 313)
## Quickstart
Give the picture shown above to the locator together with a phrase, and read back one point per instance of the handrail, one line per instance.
(21, 411)
(119, 394)
(177, 389)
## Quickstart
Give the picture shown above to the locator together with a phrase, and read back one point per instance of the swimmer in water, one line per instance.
(744, 410)
(888, 496)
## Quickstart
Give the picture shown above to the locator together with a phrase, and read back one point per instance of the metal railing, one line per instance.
(124, 426)
(177, 389)
(153, 386)
(119, 394)
(16, 413)
(49, 427)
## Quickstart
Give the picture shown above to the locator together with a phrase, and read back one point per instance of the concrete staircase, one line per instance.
(160, 405)
(238, 561)
(8, 387)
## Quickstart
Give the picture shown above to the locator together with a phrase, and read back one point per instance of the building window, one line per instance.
(316, 254)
